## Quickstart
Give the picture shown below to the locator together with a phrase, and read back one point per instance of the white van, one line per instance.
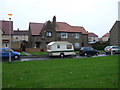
(60, 48)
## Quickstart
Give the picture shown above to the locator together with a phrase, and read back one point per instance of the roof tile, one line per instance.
(36, 28)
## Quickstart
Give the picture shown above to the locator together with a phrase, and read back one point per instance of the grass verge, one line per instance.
(93, 72)
(38, 53)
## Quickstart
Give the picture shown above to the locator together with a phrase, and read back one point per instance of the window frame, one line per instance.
(49, 34)
(77, 35)
(76, 46)
(64, 35)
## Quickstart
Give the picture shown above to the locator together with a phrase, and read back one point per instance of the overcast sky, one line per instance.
(96, 16)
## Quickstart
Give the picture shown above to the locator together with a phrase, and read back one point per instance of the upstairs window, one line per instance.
(48, 34)
(64, 35)
(77, 35)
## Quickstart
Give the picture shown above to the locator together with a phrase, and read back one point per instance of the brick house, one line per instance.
(115, 34)
(41, 34)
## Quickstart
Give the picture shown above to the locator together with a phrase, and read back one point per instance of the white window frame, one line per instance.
(77, 35)
(64, 35)
(48, 34)
(77, 45)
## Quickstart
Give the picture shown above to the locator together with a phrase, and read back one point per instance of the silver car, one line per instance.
(112, 49)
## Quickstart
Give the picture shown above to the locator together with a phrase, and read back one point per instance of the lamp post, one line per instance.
(10, 16)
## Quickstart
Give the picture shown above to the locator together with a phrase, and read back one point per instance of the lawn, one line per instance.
(38, 53)
(93, 72)
(41, 53)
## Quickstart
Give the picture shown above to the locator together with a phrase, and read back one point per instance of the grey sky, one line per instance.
(96, 16)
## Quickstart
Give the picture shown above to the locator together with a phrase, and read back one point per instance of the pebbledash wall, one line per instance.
(1, 38)
(1, 59)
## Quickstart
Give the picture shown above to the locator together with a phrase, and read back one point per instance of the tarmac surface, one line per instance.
(47, 57)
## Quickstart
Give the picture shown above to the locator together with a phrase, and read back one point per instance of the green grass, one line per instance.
(76, 51)
(23, 54)
(101, 51)
(38, 53)
(93, 72)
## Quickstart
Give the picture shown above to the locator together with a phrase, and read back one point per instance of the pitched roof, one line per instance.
(6, 26)
(60, 27)
(81, 29)
(91, 34)
(64, 27)
(106, 35)
(36, 28)
(21, 32)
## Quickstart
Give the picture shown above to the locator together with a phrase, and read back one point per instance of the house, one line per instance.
(84, 35)
(105, 37)
(1, 32)
(34, 34)
(18, 37)
(115, 34)
(41, 34)
(7, 28)
(92, 37)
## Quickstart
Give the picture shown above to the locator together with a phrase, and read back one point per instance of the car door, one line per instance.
(92, 51)
(88, 50)
(5, 53)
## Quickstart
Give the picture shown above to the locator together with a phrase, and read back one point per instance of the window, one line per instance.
(6, 45)
(49, 47)
(77, 45)
(58, 46)
(6, 50)
(64, 35)
(69, 46)
(49, 34)
(77, 35)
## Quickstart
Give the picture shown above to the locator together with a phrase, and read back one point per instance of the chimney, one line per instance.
(17, 29)
(54, 21)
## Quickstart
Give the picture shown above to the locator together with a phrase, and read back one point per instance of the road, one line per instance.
(46, 57)
(52, 58)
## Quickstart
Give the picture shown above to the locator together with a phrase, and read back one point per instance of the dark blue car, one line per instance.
(5, 52)
(85, 51)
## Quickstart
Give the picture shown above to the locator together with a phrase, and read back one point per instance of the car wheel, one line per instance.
(97, 53)
(62, 55)
(16, 57)
(85, 54)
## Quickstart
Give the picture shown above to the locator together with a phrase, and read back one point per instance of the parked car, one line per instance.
(60, 48)
(88, 51)
(112, 49)
(5, 52)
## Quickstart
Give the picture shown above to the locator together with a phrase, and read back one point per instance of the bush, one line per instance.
(99, 47)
